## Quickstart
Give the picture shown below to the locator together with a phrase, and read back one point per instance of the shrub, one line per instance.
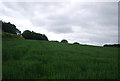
(75, 43)
(64, 41)
(54, 41)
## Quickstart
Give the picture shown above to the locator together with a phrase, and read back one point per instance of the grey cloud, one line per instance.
(97, 20)
(37, 13)
(61, 29)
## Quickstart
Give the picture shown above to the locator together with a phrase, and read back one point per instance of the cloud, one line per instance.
(85, 22)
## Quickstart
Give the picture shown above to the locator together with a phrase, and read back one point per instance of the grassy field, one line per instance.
(34, 59)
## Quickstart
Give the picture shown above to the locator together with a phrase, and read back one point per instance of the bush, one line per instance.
(75, 43)
(54, 41)
(64, 41)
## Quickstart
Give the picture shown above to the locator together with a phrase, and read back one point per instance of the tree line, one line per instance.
(111, 45)
(27, 34)
(31, 35)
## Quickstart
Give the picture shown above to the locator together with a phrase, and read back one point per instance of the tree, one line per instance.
(75, 43)
(64, 41)
(27, 34)
(10, 28)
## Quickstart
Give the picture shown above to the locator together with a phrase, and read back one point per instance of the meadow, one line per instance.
(35, 59)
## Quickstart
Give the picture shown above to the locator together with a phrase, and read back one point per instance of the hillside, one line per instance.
(9, 36)
(35, 59)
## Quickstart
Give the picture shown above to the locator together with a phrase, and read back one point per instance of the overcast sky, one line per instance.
(94, 23)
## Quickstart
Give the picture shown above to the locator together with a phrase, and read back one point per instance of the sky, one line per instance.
(93, 23)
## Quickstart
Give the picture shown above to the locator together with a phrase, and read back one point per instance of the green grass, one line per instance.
(34, 59)
(9, 36)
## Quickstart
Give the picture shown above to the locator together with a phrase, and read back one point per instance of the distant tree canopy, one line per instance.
(27, 34)
(64, 41)
(75, 43)
(10, 28)
(112, 45)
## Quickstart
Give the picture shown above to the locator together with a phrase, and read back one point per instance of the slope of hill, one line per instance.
(10, 36)
(34, 59)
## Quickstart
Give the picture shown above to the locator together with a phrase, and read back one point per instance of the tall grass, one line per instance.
(33, 59)
(9, 36)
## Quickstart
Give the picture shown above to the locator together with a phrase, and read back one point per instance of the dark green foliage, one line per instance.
(10, 28)
(34, 59)
(27, 34)
(33, 35)
(64, 41)
(75, 43)
(54, 41)
(112, 45)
